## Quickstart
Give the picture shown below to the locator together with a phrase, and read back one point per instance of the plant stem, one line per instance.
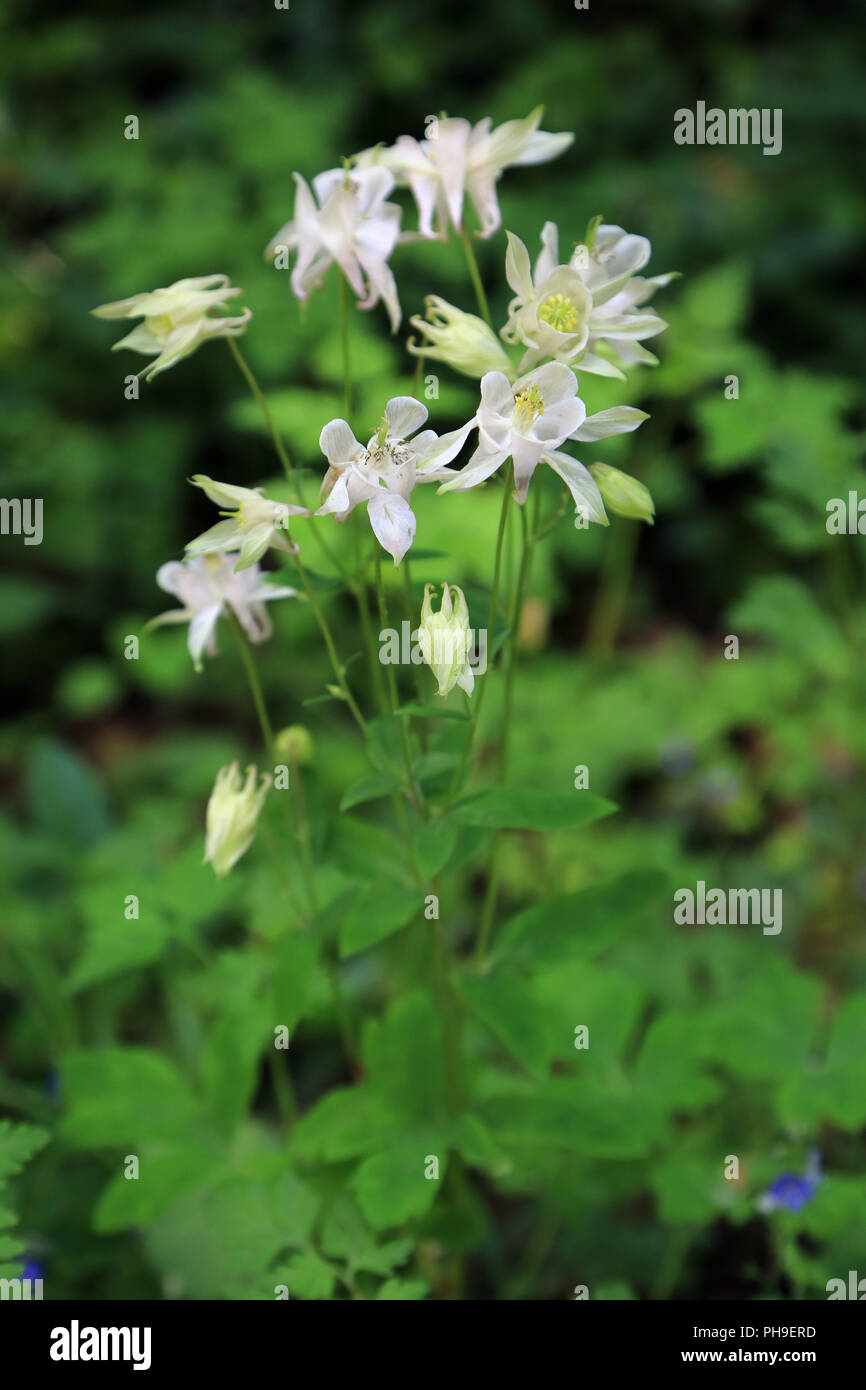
(491, 623)
(263, 405)
(609, 607)
(413, 792)
(529, 536)
(475, 274)
(344, 342)
(329, 643)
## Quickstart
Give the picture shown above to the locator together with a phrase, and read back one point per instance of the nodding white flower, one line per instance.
(253, 522)
(444, 639)
(527, 421)
(457, 160)
(464, 341)
(176, 319)
(206, 585)
(385, 471)
(232, 812)
(348, 221)
(565, 311)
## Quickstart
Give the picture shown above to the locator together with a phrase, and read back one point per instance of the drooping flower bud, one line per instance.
(622, 494)
(444, 639)
(232, 812)
(463, 341)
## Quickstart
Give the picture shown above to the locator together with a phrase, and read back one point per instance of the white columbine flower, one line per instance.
(464, 341)
(348, 221)
(457, 160)
(384, 473)
(253, 522)
(565, 311)
(206, 585)
(232, 813)
(527, 421)
(176, 320)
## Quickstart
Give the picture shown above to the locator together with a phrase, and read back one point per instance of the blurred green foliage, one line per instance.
(150, 1037)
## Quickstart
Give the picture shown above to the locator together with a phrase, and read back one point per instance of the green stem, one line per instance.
(489, 909)
(344, 342)
(475, 275)
(412, 791)
(610, 603)
(491, 622)
(336, 665)
(266, 727)
(263, 405)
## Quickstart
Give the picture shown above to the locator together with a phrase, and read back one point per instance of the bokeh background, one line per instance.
(742, 773)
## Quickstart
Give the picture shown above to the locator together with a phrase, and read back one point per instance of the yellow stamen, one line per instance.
(528, 405)
(560, 313)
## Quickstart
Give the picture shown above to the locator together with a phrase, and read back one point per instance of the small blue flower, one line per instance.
(32, 1271)
(792, 1190)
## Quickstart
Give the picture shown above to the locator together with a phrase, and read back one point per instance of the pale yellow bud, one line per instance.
(622, 494)
(444, 639)
(232, 812)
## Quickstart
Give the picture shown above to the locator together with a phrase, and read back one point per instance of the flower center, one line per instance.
(560, 313)
(528, 405)
(160, 326)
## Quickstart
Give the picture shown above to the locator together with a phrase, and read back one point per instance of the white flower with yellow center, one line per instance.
(176, 319)
(527, 421)
(385, 472)
(457, 160)
(253, 522)
(350, 223)
(565, 311)
(207, 585)
(232, 812)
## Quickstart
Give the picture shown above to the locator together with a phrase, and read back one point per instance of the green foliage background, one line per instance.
(604, 1167)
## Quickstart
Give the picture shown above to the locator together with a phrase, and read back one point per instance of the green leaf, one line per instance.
(345, 1123)
(229, 1064)
(291, 983)
(375, 914)
(506, 1003)
(218, 1242)
(529, 808)
(65, 796)
(432, 712)
(18, 1144)
(435, 843)
(580, 925)
(123, 1096)
(403, 1056)
(164, 1176)
(391, 1187)
(589, 1120)
(430, 766)
(307, 1275)
(369, 789)
(403, 1289)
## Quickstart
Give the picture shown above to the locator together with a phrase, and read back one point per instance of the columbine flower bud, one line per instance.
(463, 341)
(623, 495)
(232, 812)
(444, 639)
(295, 744)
